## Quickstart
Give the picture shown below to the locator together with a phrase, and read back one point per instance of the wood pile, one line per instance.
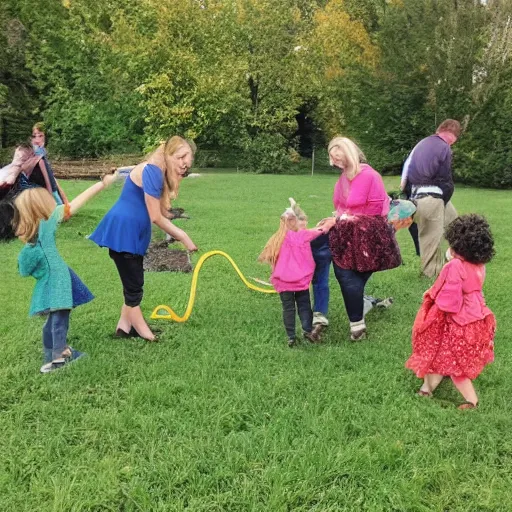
(89, 168)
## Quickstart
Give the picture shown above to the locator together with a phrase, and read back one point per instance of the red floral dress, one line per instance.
(454, 329)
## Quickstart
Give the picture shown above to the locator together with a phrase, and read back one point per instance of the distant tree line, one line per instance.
(264, 80)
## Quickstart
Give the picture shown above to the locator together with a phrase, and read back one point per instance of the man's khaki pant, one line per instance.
(432, 216)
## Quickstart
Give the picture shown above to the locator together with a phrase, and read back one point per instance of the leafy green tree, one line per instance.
(18, 95)
(427, 53)
(484, 154)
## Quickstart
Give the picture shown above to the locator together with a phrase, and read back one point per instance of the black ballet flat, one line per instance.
(123, 334)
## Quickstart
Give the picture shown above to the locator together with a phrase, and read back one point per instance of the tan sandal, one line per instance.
(467, 405)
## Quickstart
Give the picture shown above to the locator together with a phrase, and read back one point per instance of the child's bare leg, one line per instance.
(124, 320)
(431, 381)
(140, 325)
(466, 389)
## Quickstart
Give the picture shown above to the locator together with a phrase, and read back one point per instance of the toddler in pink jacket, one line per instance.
(289, 253)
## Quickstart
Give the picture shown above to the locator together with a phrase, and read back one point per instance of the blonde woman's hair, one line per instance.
(171, 182)
(352, 155)
(288, 221)
(31, 207)
(40, 126)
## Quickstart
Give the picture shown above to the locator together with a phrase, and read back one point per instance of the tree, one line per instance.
(18, 96)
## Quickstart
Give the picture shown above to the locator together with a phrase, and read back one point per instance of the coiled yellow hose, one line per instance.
(171, 315)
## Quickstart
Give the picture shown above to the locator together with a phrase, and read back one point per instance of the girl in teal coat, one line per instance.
(58, 289)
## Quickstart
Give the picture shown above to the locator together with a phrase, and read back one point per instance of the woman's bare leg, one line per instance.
(124, 320)
(139, 324)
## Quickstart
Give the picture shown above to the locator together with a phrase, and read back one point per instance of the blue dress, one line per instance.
(81, 294)
(127, 227)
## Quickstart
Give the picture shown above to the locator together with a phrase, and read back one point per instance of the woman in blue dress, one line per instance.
(126, 228)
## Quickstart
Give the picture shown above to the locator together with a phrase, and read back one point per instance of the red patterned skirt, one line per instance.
(439, 345)
(364, 243)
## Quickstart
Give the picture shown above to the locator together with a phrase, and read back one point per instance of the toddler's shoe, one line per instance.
(320, 319)
(75, 354)
(312, 337)
(292, 342)
(370, 302)
(56, 364)
(384, 303)
(317, 330)
(46, 368)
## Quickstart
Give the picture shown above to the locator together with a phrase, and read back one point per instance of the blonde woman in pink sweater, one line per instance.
(362, 241)
(289, 253)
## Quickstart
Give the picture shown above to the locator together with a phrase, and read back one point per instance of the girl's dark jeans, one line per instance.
(289, 299)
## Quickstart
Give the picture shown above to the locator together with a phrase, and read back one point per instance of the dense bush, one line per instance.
(483, 156)
(266, 153)
(207, 158)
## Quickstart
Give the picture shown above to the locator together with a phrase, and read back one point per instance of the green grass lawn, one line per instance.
(222, 415)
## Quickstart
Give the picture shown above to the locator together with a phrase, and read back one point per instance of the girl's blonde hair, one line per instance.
(289, 221)
(352, 155)
(31, 207)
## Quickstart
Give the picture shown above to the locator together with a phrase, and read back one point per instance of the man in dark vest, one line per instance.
(429, 176)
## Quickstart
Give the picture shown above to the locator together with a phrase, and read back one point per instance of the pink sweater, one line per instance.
(363, 195)
(295, 265)
(458, 290)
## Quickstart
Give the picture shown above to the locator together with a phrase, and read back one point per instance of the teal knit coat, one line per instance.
(41, 260)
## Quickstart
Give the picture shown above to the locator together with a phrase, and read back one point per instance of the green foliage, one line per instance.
(18, 96)
(267, 153)
(484, 154)
(6, 155)
(87, 128)
(428, 51)
(206, 158)
(85, 95)
(235, 74)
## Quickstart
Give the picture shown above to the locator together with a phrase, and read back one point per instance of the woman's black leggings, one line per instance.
(131, 271)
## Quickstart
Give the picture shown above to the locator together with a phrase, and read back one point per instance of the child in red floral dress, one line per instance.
(454, 330)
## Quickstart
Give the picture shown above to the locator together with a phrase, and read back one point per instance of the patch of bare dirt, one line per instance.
(160, 258)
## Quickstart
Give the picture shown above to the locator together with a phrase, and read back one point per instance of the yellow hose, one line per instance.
(171, 315)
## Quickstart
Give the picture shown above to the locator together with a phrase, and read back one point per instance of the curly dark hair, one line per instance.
(470, 237)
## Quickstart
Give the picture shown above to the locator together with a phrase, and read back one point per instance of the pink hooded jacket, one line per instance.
(295, 265)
